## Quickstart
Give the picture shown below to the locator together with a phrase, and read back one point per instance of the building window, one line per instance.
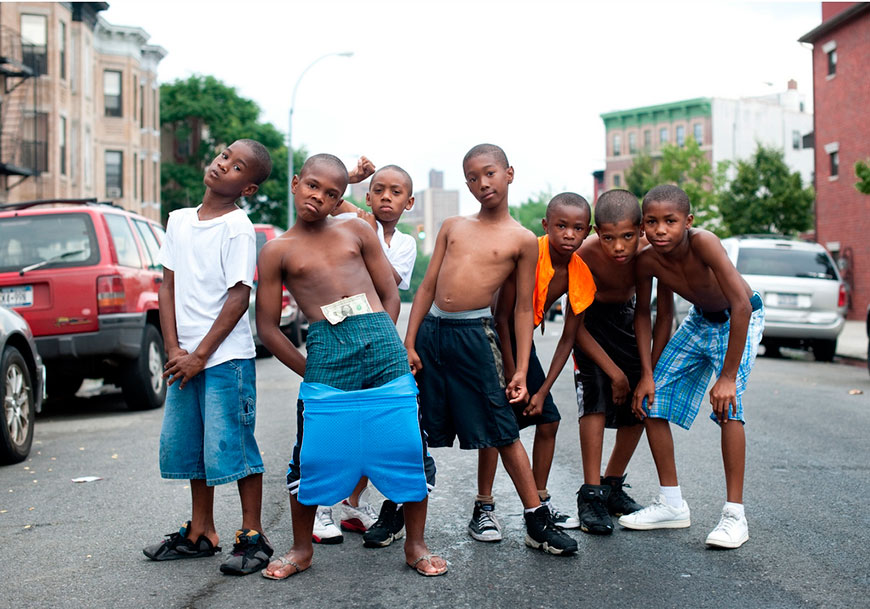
(142, 177)
(632, 143)
(796, 140)
(142, 104)
(698, 133)
(835, 163)
(647, 139)
(135, 89)
(156, 108)
(135, 176)
(34, 147)
(34, 43)
(617, 181)
(112, 92)
(663, 136)
(114, 174)
(62, 139)
(617, 145)
(681, 135)
(832, 62)
(62, 45)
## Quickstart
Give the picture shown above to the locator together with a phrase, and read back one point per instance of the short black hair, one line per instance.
(326, 159)
(569, 199)
(671, 193)
(397, 169)
(482, 149)
(617, 205)
(263, 160)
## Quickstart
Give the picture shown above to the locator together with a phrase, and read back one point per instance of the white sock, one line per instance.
(673, 495)
(530, 510)
(736, 507)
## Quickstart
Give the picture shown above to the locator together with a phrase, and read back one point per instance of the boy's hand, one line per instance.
(536, 405)
(174, 352)
(414, 360)
(183, 367)
(516, 390)
(723, 396)
(646, 388)
(364, 168)
(619, 388)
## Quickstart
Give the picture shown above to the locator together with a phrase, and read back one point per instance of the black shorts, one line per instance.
(612, 326)
(462, 390)
(535, 378)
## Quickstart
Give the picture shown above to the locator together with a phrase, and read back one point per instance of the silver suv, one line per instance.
(804, 297)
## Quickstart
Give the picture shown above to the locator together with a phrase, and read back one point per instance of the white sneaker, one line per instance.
(359, 518)
(658, 515)
(731, 532)
(325, 529)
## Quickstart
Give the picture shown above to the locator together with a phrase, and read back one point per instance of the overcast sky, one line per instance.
(428, 80)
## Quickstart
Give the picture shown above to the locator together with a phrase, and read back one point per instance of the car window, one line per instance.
(152, 248)
(785, 263)
(158, 232)
(125, 245)
(65, 239)
(261, 241)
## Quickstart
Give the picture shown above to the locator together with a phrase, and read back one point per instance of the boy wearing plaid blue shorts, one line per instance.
(721, 335)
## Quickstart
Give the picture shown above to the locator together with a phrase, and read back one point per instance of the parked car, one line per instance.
(804, 296)
(22, 377)
(293, 322)
(85, 277)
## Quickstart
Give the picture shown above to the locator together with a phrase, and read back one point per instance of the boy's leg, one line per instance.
(591, 445)
(251, 495)
(516, 462)
(627, 438)
(353, 498)
(734, 459)
(416, 552)
(592, 496)
(487, 463)
(661, 445)
(202, 518)
(542, 453)
(298, 558)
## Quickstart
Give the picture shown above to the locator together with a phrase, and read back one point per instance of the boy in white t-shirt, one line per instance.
(208, 259)
(390, 194)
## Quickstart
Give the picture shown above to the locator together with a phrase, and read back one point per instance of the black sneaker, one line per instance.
(542, 534)
(389, 526)
(484, 526)
(592, 509)
(619, 502)
(251, 553)
(177, 545)
(560, 519)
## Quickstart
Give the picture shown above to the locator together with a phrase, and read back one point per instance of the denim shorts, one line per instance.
(208, 427)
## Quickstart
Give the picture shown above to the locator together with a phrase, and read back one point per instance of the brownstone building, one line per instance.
(841, 93)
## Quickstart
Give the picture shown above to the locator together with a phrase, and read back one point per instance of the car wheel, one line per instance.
(18, 407)
(824, 350)
(142, 381)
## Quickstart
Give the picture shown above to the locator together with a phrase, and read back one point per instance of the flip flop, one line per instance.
(427, 557)
(284, 562)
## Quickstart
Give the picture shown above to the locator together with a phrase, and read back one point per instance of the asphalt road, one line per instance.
(71, 544)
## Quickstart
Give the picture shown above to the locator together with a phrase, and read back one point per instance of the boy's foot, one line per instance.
(389, 526)
(359, 518)
(542, 534)
(177, 545)
(592, 508)
(563, 521)
(325, 529)
(251, 552)
(619, 502)
(731, 532)
(484, 526)
(658, 515)
(285, 566)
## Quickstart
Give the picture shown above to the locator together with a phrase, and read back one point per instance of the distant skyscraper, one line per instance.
(431, 207)
(436, 178)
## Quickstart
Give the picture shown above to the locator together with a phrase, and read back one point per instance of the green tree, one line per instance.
(532, 211)
(420, 266)
(862, 171)
(223, 116)
(766, 197)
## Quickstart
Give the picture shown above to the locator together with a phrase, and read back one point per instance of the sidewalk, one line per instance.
(853, 340)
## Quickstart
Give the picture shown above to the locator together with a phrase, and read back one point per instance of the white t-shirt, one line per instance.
(402, 251)
(209, 257)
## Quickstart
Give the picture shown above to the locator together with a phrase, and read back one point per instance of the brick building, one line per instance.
(841, 97)
(80, 116)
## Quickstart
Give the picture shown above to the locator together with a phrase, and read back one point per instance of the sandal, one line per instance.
(284, 563)
(428, 558)
(177, 545)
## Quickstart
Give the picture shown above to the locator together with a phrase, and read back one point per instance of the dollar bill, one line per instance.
(337, 311)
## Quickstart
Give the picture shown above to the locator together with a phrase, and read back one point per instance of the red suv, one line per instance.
(85, 277)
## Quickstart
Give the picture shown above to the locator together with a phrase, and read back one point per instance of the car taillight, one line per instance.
(841, 300)
(285, 298)
(110, 294)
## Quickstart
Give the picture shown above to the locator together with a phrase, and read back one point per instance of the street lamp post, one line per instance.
(290, 208)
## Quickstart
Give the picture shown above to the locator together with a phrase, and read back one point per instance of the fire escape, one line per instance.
(19, 154)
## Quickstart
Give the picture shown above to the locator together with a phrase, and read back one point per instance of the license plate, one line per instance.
(788, 300)
(20, 296)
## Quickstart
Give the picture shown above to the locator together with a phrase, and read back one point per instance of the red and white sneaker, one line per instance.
(325, 530)
(359, 518)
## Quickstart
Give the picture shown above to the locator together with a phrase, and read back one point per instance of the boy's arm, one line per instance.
(723, 395)
(642, 328)
(560, 356)
(346, 207)
(619, 386)
(504, 308)
(381, 272)
(166, 307)
(524, 321)
(426, 295)
(364, 168)
(269, 292)
(664, 320)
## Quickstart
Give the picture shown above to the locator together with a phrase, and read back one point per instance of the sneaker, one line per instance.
(389, 526)
(177, 545)
(325, 529)
(563, 521)
(731, 532)
(542, 534)
(484, 526)
(658, 515)
(619, 502)
(251, 553)
(358, 518)
(592, 508)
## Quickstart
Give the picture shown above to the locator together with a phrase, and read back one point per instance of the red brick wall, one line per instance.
(842, 114)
